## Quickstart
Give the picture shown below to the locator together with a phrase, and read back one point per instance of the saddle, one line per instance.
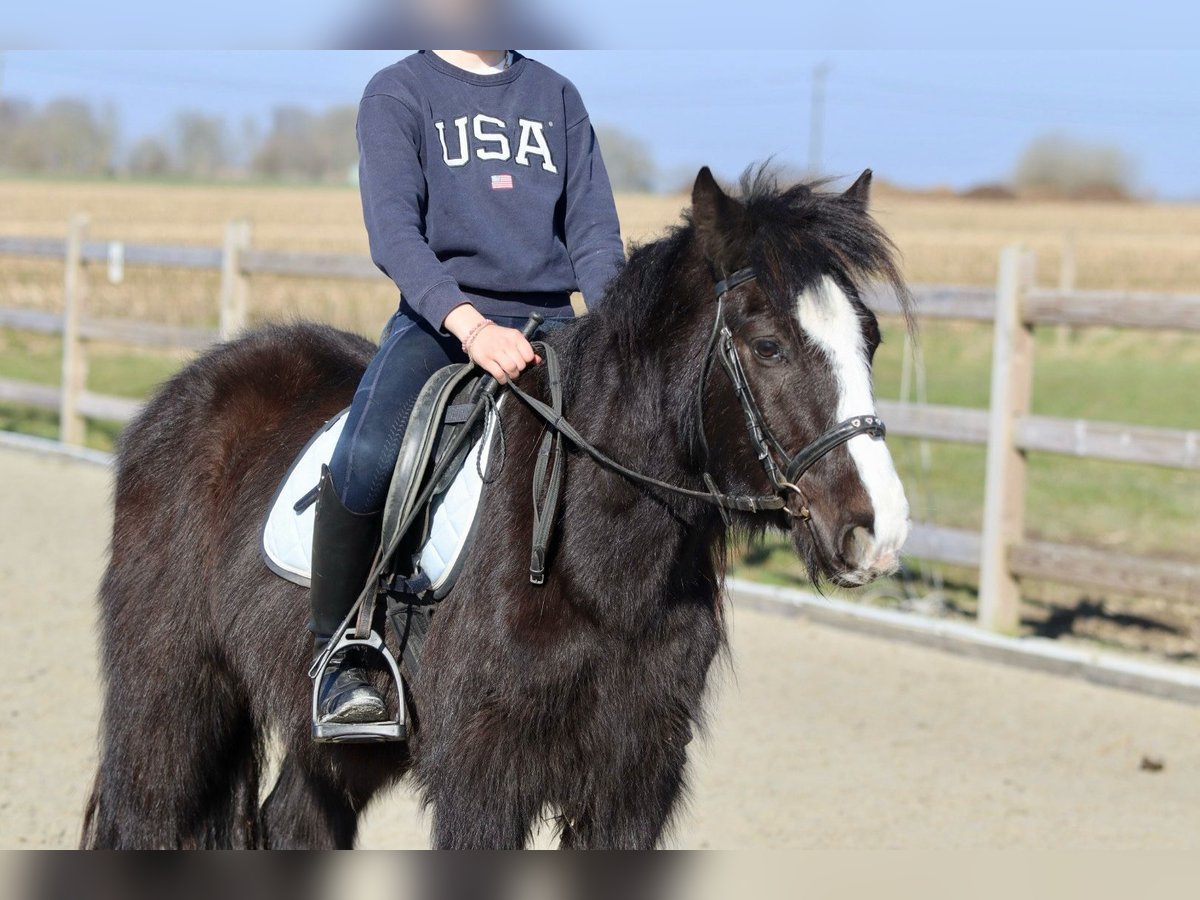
(440, 532)
(443, 439)
(429, 524)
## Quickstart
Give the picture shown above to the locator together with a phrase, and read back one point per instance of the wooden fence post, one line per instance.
(1004, 487)
(73, 426)
(235, 284)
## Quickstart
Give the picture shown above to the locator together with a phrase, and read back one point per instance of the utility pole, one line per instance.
(816, 119)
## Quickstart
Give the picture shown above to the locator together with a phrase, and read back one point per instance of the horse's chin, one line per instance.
(820, 563)
(817, 560)
(853, 579)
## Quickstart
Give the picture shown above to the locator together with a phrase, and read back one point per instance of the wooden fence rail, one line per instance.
(1015, 308)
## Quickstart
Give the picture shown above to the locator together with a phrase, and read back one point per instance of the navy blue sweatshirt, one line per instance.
(488, 186)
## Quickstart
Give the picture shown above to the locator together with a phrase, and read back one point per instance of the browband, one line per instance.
(741, 276)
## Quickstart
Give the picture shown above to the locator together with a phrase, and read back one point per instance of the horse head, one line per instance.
(805, 342)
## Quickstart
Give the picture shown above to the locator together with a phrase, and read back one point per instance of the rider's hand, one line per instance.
(501, 352)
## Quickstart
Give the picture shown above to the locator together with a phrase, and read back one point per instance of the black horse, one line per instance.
(576, 698)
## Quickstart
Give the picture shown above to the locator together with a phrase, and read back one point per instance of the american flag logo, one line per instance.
(502, 183)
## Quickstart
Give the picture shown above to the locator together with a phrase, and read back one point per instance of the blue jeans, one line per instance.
(411, 350)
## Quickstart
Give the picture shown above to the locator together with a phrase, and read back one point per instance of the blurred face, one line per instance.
(451, 13)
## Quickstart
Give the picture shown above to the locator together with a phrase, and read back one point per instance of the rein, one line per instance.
(548, 472)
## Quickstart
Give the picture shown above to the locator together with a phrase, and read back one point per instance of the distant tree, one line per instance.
(307, 145)
(18, 145)
(336, 136)
(65, 137)
(1073, 167)
(989, 190)
(149, 158)
(249, 138)
(629, 162)
(202, 145)
(288, 149)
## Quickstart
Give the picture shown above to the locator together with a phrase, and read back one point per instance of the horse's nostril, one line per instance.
(855, 545)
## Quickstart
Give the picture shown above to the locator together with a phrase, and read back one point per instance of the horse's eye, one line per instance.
(765, 348)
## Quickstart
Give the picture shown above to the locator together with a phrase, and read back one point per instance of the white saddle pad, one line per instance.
(287, 535)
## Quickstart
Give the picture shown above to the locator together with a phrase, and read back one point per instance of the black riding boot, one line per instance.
(344, 545)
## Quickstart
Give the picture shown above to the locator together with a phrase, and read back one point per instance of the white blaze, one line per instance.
(831, 322)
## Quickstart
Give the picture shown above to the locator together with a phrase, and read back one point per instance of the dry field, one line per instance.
(1150, 247)
(1097, 374)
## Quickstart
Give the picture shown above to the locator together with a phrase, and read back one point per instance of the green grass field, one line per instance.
(121, 372)
(1142, 379)
(1146, 379)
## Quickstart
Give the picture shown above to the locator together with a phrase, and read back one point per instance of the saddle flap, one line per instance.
(286, 536)
(437, 539)
(422, 437)
(454, 514)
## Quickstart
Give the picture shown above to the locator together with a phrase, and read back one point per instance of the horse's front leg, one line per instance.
(480, 802)
(630, 810)
(470, 820)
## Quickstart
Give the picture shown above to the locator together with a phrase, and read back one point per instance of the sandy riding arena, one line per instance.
(818, 737)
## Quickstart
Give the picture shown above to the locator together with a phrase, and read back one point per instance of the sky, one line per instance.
(634, 24)
(921, 117)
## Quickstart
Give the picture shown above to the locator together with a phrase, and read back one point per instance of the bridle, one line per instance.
(783, 474)
(548, 470)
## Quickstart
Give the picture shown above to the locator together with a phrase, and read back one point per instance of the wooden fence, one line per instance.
(1015, 306)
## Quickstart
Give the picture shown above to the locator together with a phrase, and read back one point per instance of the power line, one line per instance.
(775, 90)
(952, 108)
(1153, 104)
(159, 78)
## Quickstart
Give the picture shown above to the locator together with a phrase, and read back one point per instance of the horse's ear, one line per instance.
(859, 193)
(719, 221)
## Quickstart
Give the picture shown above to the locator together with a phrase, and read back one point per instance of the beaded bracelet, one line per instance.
(474, 333)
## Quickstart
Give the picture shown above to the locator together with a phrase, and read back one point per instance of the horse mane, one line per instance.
(792, 236)
(788, 234)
